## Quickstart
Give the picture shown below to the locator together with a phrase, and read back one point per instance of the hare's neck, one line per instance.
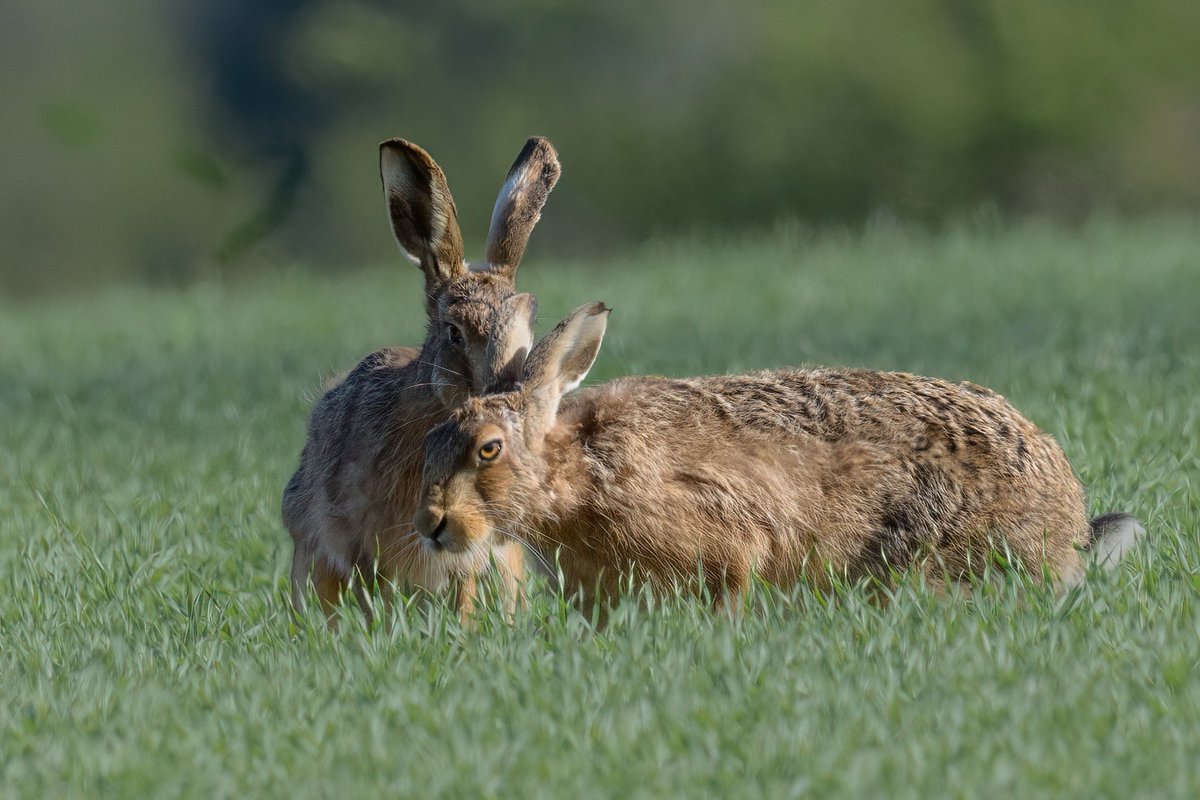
(564, 485)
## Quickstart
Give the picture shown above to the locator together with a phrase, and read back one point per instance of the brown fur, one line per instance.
(348, 506)
(785, 474)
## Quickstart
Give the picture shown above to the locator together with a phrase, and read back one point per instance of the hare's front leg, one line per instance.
(329, 584)
(510, 561)
(465, 592)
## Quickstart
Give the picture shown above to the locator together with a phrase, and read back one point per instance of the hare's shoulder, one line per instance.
(378, 364)
(373, 386)
(384, 367)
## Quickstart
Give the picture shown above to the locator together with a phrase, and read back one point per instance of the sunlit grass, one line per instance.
(146, 647)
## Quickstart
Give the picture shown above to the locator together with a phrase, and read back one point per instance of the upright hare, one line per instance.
(784, 474)
(350, 503)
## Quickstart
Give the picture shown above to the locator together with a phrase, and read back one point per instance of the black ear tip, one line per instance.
(539, 144)
(538, 149)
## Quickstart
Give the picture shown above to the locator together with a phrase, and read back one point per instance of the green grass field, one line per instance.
(146, 647)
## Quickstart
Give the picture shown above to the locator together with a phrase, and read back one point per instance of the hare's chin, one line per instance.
(441, 549)
(434, 572)
(447, 562)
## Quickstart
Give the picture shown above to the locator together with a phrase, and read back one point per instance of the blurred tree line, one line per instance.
(161, 141)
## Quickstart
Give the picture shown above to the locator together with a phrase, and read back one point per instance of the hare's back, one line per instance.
(829, 404)
(964, 429)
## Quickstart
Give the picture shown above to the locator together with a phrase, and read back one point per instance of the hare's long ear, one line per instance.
(422, 211)
(520, 203)
(560, 361)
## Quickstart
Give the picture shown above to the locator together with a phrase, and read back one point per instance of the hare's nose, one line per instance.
(436, 535)
(430, 522)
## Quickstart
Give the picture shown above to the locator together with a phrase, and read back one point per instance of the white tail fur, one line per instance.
(1113, 536)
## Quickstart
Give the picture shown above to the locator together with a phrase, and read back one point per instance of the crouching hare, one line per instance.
(785, 474)
(350, 503)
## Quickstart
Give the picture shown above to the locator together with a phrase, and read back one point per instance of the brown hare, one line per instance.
(350, 503)
(785, 474)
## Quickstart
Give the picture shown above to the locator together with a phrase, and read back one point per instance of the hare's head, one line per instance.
(480, 329)
(484, 468)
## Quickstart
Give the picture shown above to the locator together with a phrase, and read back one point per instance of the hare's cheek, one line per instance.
(451, 380)
(449, 394)
(453, 367)
(479, 366)
(494, 484)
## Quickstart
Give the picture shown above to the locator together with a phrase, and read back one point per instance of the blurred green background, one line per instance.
(162, 142)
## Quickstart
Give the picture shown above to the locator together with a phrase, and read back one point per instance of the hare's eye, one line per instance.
(454, 335)
(489, 450)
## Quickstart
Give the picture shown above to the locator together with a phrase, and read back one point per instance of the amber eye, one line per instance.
(489, 450)
(454, 335)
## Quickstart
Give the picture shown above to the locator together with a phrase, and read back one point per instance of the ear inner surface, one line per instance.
(422, 211)
(562, 358)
